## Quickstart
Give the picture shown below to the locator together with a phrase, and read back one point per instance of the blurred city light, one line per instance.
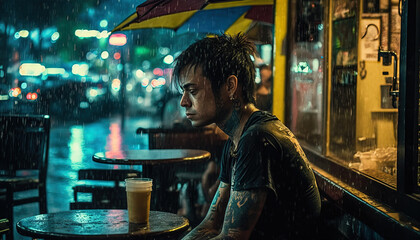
(168, 59)
(93, 92)
(24, 85)
(164, 50)
(116, 84)
(55, 71)
(167, 71)
(55, 36)
(80, 69)
(118, 39)
(145, 82)
(102, 35)
(149, 88)
(104, 55)
(154, 83)
(31, 96)
(4, 97)
(31, 69)
(129, 87)
(35, 35)
(158, 71)
(23, 33)
(162, 81)
(103, 23)
(117, 56)
(84, 33)
(139, 73)
(145, 64)
(15, 92)
(90, 56)
(158, 82)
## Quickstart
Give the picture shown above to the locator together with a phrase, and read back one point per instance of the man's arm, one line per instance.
(213, 222)
(243, 212)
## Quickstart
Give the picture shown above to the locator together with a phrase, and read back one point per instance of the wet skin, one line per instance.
(238, 211)
(197, 98)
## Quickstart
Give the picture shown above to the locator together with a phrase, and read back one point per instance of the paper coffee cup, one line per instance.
(138, 191)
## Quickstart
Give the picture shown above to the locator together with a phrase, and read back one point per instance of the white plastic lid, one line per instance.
(138, 184)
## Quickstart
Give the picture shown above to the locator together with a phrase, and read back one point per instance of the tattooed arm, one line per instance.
(243, 212)
(213, 222)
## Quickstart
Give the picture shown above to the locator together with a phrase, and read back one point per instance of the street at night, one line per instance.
(71, 148)
(209, 119)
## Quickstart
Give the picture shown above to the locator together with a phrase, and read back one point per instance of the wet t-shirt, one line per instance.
(269, 156)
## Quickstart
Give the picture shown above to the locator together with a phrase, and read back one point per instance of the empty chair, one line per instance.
(23, 161)
(5, 228)
(103, 196)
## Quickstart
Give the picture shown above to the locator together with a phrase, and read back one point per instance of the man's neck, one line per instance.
(234, 126)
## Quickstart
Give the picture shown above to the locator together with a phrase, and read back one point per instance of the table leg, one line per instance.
(162, 179)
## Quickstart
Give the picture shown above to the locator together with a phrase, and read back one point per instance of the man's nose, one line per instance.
(185, 102)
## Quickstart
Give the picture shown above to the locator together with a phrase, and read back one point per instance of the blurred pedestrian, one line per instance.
(264, 97)
(267, 189)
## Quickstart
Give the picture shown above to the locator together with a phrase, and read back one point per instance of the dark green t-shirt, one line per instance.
(269, 156)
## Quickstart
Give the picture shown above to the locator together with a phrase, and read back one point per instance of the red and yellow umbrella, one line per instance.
(209, 16)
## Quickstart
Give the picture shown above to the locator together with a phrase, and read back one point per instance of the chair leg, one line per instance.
(42, 199)
(9, 209)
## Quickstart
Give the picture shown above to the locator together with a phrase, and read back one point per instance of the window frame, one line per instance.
(406, 196)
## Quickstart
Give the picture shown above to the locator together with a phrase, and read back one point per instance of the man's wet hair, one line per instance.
(220, 57)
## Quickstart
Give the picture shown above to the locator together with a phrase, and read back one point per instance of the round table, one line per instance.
(148, 157)
(101, 224)
(157, 164)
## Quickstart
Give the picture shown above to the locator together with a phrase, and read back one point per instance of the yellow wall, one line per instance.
(372, 121)
(279, 68)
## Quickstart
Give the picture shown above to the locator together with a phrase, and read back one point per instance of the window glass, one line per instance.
(364, 106)
(306, 70)
(362, 118)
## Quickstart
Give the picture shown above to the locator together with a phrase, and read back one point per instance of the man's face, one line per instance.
(197, 98)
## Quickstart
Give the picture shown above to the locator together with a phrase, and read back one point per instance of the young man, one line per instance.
(267, 189)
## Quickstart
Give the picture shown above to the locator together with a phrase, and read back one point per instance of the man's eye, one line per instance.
(193, 91)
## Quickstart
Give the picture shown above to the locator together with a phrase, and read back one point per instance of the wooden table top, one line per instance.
(101, 224)
(151, 156)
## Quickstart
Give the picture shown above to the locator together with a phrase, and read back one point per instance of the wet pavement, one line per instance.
(71, 148)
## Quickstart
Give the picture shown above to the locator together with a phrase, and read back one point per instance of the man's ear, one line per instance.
(232, 85)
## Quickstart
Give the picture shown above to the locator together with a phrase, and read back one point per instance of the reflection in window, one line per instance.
(306, 67)
(363, 117)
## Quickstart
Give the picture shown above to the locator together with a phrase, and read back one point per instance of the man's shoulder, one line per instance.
(270, 126)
